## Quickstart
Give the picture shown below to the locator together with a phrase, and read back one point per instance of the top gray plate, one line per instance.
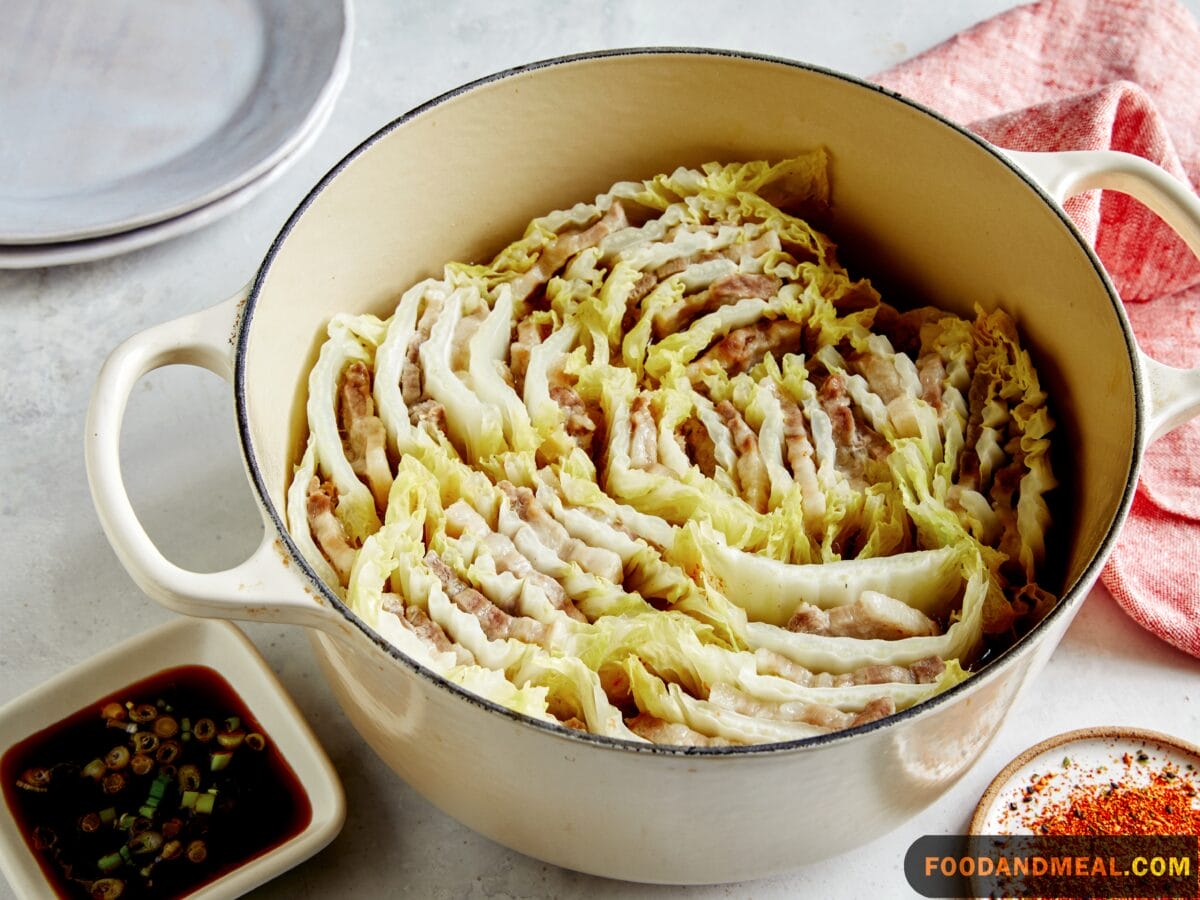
(120, 114)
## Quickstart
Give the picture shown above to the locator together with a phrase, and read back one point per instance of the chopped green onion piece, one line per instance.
(113, 710)
(188, 800)
(197, 851)
(146, 842)
(204, 730)
(219, 760)
(109, 863)
(107, 888)
(95, 769)
(232, 723)
(255, 741)
(108, 814)
(126, 854)
(231, 740)
(205, 803)
(189, 777)
(159, 786)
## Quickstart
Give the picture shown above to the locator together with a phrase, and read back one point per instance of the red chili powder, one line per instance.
(1163, 806)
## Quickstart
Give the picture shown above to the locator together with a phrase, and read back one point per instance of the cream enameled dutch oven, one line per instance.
(920, 204)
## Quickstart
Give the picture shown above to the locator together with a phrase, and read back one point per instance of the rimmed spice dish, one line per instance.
(1103, 780)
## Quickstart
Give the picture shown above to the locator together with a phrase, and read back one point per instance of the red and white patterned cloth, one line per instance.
(1125, 75)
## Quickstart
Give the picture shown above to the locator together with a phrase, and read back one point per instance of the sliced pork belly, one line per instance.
(675, 734)
(744, 348)
(553, 535)
(556, 254)
(923, 671)
(462, 518)
(725, 290)
(753, 480)
(820, 714)
(496, 623)
(327, 530)
(872, 615)
(365, 433)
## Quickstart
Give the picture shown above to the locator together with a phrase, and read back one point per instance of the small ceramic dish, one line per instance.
(226, 661)
(1044, 775)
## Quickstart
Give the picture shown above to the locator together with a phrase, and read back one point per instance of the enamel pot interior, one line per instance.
(930, 213)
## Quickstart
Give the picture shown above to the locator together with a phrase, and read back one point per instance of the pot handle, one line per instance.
(1173, 394)
(264, 588)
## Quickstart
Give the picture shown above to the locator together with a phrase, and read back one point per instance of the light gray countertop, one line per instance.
(66, 596)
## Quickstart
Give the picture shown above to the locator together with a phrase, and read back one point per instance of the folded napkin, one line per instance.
(1088, 75)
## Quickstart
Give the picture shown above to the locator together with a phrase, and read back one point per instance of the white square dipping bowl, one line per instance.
(217, 645)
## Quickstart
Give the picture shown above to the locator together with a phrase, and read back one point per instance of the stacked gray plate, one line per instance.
(128, 122)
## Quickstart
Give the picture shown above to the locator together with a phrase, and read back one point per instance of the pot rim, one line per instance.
(1066, 605)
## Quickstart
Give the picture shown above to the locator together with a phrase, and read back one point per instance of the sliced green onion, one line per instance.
(233, 723)
(140, 824)
(36, 779)
(141, 764)
(188, 801)
(158, 787)
(144, 712)
(108, 815)
(146, 842)
(126, 821)
(145, 742)
(113, 782)
(118, 757)
(219, 760)
(189, 777)
(107, 888)
(168, 752)
(204, 730)
(112, 711)
(197, 851)
(147, 811)
(109, 863)
(255, 741)
(231, 740)
(90, 823)
(171, 849)
(95, 769)
(206, 802)
(126, 854)
(166, 726)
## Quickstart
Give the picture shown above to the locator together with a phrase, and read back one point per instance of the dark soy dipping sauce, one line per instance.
(259, 803)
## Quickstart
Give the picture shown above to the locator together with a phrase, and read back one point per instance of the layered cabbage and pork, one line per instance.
(663, 470)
